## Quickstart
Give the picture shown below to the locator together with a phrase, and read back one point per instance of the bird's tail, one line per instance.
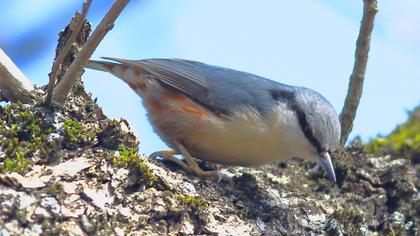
(115, 68)
(106, 66)
(123, 71)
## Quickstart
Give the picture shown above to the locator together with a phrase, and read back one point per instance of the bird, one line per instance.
(229, 117)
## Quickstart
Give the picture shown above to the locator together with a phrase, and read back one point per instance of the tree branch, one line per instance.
(355, 89)
(78, 21)
(63, 88)
(13, 83)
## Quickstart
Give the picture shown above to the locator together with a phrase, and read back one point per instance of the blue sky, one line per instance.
(307, 43)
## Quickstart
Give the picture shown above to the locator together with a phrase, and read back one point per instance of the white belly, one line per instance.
(248, 139)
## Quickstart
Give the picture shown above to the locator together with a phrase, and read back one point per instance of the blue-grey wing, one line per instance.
(220, 89)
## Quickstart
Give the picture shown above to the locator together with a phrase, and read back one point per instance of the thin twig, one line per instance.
(63, 88)
(355, 89)
(13, 83)
(53, 76)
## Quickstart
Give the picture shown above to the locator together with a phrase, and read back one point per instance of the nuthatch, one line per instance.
(226, 116)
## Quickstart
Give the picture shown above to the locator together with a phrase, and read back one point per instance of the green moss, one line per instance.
(55, 189)
(191, 201)
(352, 219)
(22, 134)
(244, 214)
(75, 134)
(128, 158)
(404, 140)
(102, 176)
(350, 215)
(72, 129)
(167, 193)
(17, 163)
(49, 229)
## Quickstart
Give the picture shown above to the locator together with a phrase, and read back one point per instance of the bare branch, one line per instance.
(78, 22)
(13, 83)
(63, 88)
(355, 89)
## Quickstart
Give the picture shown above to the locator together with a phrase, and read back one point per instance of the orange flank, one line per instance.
(170, 152)
(137, 73)
(139, 84)
(175, 102)
(140, 87)
(108, 67)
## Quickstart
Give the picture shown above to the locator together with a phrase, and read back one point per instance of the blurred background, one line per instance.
(307, 43)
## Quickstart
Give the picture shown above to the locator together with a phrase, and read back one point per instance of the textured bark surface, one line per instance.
(71, 76)
(357, 77)
(77, 24)
(13, 83)
(82, 179)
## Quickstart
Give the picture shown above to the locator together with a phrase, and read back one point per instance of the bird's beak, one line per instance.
(326, 163)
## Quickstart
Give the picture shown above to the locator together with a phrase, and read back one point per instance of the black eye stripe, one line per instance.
(304, 125)
(289, 98)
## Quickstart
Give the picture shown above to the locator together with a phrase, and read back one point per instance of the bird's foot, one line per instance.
(189, 164)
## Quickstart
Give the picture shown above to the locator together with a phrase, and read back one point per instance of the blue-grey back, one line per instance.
(218, 88)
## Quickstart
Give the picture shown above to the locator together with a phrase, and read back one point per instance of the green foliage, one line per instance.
(191, 201)
(22, 134)
(351, 219)
(349, 216)
(75, 134)
(18, 163)
(404, 140)
(72, 129)
(128, 158)
(55, 189)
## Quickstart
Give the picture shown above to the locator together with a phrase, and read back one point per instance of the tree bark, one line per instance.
(13, 83)
(76, 25)
(357, 77)
(63, 88)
